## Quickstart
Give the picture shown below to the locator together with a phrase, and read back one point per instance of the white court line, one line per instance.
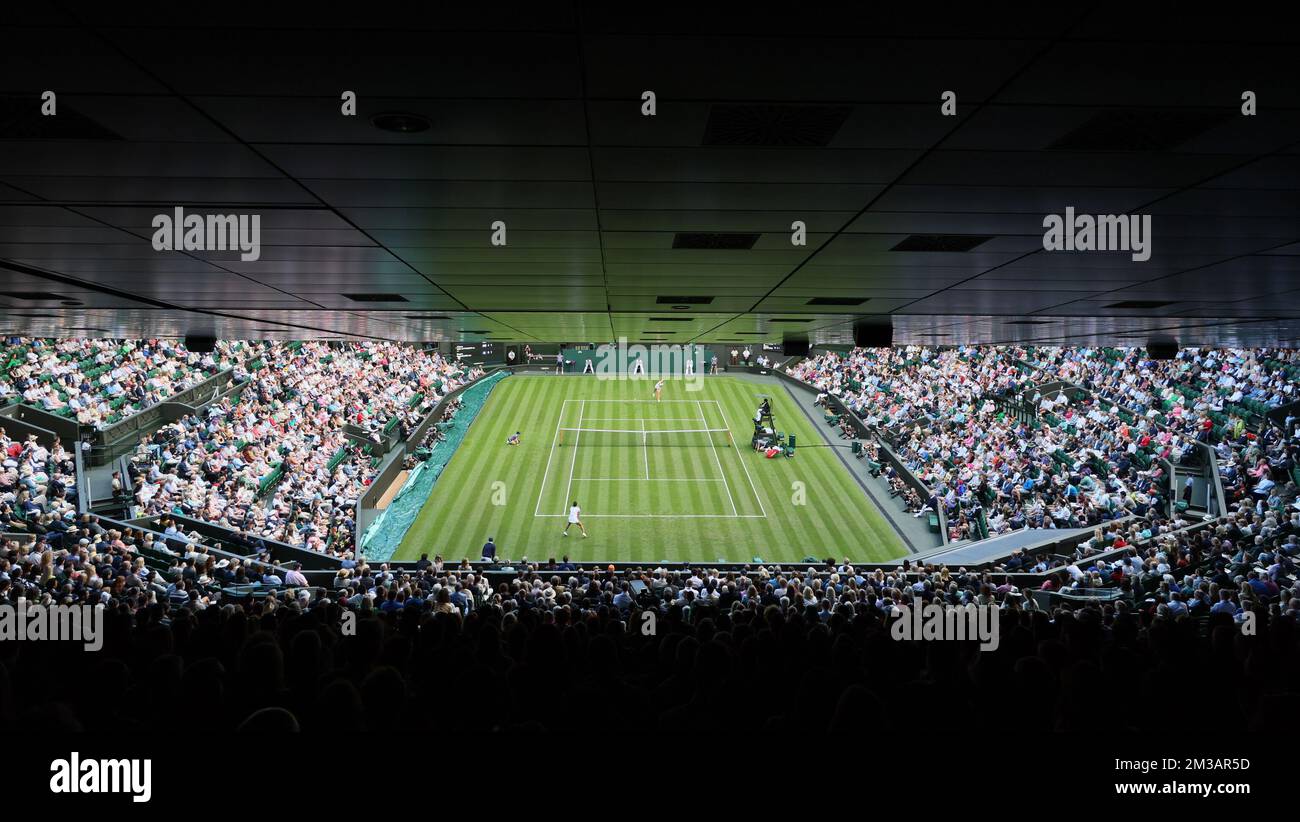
(641, 479)
(581, 408)
(634, 419)
(658, 516)
(645, 445)
(718, 460)
(542, 491)
(582, 418)
(746, 467)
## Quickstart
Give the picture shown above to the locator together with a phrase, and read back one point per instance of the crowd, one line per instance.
(38, 487)
(532, 648)
(289, 458)
(1218, 398)
(100, 382)
(1145, 606)
(1081, 457)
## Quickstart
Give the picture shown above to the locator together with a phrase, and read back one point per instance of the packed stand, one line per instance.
(101, 382)
(532, 648)
(991, 471)
(1080, 458)
(38, 487)
(289, 458)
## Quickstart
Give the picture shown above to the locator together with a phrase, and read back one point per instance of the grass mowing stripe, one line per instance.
(839, 514)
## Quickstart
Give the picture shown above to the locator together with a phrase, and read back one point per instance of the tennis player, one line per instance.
(514, 439)
(575, 514)
(659, 390)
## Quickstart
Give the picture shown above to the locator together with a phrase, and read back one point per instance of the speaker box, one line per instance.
(795, 346)
(1162, 349)
(200, 344)
(873, 335)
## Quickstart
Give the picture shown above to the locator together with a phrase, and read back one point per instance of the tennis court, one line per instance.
(675, 458)
(668, 481)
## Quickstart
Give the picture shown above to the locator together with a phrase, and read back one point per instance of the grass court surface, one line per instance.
(674, 481)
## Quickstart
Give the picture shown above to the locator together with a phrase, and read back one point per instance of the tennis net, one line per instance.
(642, 438)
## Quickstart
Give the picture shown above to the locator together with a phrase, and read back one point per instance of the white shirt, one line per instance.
(573, 513)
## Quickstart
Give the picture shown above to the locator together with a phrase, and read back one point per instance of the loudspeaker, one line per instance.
(200, 344)
(873, 335)
(1162, 348)
(795, 346)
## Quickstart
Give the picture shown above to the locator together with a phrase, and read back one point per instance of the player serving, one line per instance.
(659, 390)
(575, 518)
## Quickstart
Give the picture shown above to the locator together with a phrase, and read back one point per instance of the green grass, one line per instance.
(705, 500)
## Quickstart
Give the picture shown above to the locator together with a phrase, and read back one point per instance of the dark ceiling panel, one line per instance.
(819, 138)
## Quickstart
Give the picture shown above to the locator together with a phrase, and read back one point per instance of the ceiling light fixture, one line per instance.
(400, 122)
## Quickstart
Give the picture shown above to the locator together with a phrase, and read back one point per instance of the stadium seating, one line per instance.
(276, 460)
(102, 382)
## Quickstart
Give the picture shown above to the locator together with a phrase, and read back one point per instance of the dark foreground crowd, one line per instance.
(548, 648)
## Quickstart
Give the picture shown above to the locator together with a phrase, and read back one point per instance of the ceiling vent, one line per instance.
(789, 320)
(1141, 304)
(1028, 322)
(714, 241)
(400, 122)
(695, 300)
(941, 242)
(35, 296)
(837, 300)
(376, 298)
(742, 124)
(1140, 129)
(672, 319)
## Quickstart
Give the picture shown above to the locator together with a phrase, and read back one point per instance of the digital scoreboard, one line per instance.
(484, 351)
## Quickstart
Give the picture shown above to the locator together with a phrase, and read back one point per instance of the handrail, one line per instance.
(280, 551)
(379, 486)
(109, 434)
(1212, 465)
(884, 443)
(25, 424)
(1208, 454)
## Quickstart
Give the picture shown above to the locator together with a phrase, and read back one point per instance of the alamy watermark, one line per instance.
(52, 623)
(956, 623)
(179, 231)
(1104, 232)
(623, 361)
(128, 776)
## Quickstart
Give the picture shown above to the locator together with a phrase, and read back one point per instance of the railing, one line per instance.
(418, 433)
(66, 429)
(1210, 472)
(1278, 415)
(122, 437)
(21, 421)
(279, 551)
(884, 443)
(379, 486)
(1063, 548)
(1014, 407)
(1216, 486)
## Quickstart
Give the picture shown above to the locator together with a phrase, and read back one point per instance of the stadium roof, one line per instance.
(623, 225)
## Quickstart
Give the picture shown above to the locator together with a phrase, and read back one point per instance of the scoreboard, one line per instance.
(484, 351)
